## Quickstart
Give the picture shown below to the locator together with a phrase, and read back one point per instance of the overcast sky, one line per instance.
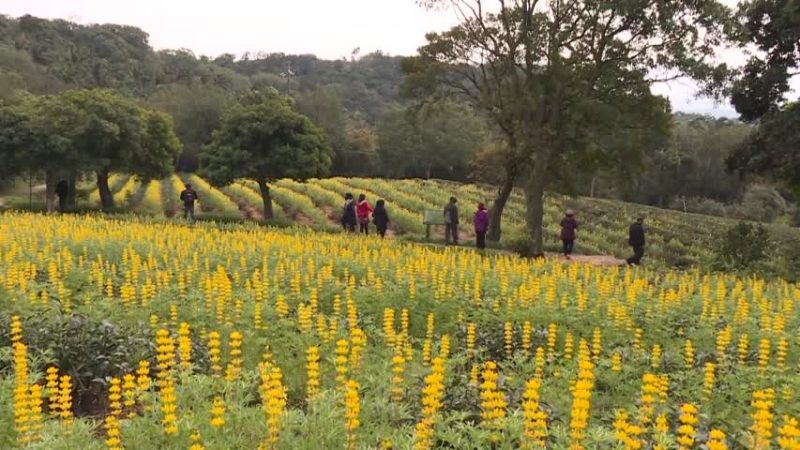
(327, 28)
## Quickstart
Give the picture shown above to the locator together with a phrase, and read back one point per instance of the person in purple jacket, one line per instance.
(568, 228)
(481, 226)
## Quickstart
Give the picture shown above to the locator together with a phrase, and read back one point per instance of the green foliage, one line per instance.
(265, 139)
(436, 139)
(762, 203)
(744, 247)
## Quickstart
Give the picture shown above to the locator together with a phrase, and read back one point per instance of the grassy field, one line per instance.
(674, 238)
(155, 334)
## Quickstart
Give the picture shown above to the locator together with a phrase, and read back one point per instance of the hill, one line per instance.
(674, 238)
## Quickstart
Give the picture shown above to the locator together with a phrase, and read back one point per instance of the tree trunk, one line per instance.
(50, 181)
(534, 214)
(72, 194)
(591, 186)
(496, 211)
(267, 198)
(106, 198)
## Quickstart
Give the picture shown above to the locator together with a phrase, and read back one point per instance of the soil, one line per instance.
(302, 220)
(330, 212)
(597, 260)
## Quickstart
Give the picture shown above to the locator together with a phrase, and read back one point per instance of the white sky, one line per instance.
(327, 28)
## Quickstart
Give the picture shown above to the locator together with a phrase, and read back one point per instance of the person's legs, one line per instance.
(447, 234)
(570, 246)
(480, 237)
(191, 212)
(455, 233)
(382, 232)
(565, 244)
(639, 252)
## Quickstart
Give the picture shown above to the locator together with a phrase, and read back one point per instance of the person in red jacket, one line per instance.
(569, 227)
(363, 211)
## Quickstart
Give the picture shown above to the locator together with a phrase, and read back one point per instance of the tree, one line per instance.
(29, 142)
(543, 70)
(434, 138)
(264, 138)
(759, 94)
(118, 135)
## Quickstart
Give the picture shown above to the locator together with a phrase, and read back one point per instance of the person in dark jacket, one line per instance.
(451, 221)
(380, 217)
(636, 240)
(62, 190)
(569, 227)
(481, 226)
(188, 197)
(349, 213)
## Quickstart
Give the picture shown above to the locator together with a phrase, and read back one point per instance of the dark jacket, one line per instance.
(451, 214)
(188, 196)
(636, 235)
(568, 227)
(380, 217)
(349, 213)
(481, 220)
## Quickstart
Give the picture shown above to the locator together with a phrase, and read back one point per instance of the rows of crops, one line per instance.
(673, 237)
(224, 337)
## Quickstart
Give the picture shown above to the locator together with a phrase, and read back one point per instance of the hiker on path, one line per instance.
(349, 213)
(569, 228)
(363, 211)
(451, 222)
(481, 226)
(381, 218)
(188, 197)
(636, 240)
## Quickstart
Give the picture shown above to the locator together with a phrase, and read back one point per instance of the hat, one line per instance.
(570, 212)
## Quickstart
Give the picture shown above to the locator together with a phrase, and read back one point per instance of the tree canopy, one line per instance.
(543, 71)
(265, 138)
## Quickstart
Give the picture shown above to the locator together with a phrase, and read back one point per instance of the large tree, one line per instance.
(760, 93)
(547, 72)
(118, 135)
(264, 138)
(30, 142)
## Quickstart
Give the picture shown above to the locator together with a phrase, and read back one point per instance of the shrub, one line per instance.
(699, 205)
(743, 247)
(762, 203)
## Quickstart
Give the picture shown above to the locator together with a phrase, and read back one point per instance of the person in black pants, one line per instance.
(636, 240)
(380, 217)
(349, 213)
(569, 227)
(188, 197)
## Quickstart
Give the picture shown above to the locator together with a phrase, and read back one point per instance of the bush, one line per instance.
(743, 247)
(762, 203)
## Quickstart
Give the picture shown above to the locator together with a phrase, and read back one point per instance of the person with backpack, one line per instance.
(381, 218)
(349, 213)
(188, 197)
(363, 211)
(636, 240)
(481, 226)
(569, 227)
(451, 222)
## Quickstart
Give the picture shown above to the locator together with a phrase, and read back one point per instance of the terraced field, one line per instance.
(673, 237)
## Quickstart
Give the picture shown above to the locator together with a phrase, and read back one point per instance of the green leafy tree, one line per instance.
(118, 135)
(264, 138)
(544, 72)
(30, 142)
(760, 93)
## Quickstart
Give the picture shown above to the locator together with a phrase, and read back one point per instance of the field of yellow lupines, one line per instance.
(155, 334)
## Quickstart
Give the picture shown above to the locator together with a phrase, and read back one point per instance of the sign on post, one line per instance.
(432, 217)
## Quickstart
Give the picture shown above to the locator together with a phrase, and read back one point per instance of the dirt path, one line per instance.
(330, 213)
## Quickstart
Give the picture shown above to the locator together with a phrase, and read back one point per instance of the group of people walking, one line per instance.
(360, 212)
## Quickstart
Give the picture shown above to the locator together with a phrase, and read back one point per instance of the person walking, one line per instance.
(569, 227)
(636, 240)
(349, 213)
(481, 226)
(381, 218)
(188, 197)
(363, 211)
(451, 222)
